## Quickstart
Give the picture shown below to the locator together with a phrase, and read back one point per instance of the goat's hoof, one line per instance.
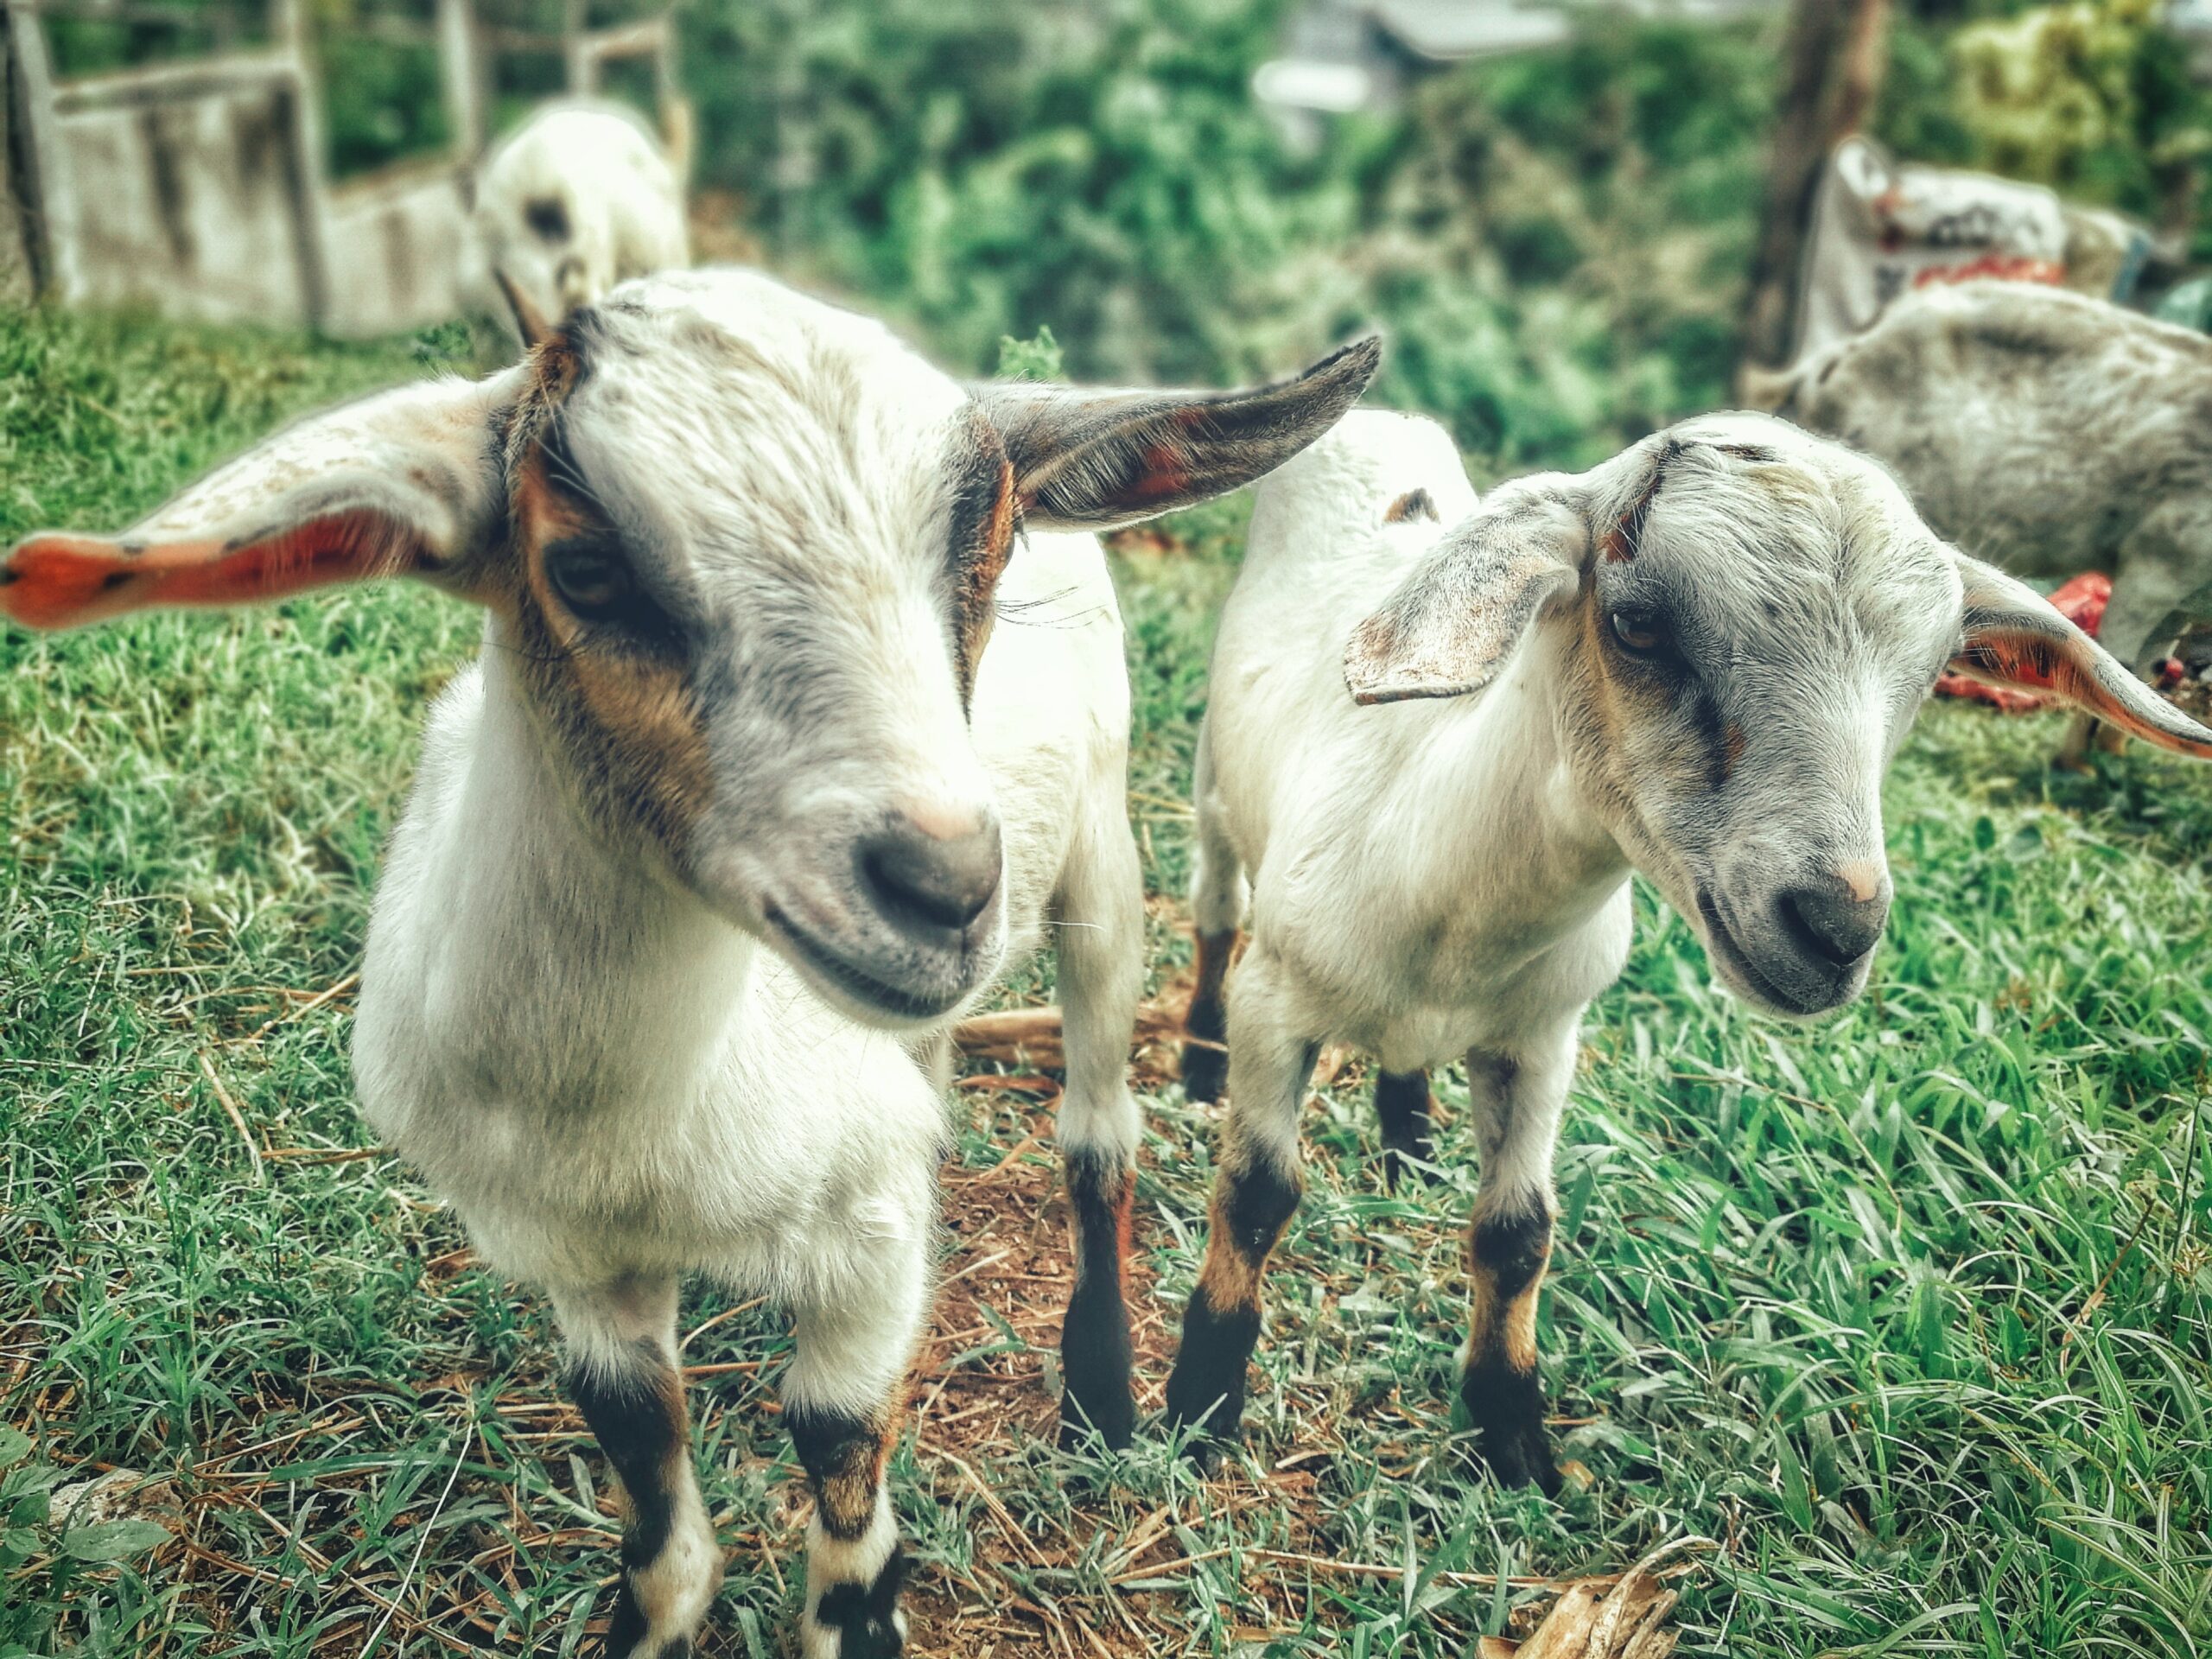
(1411, 1165)
(1210, 1432)
(1113, 1420)
(1205, 1068)
(1519, 1456)
(1202, 1451)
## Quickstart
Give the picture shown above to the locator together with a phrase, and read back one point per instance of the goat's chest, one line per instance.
(1418, 982)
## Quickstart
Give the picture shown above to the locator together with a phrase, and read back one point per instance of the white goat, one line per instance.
(2047, 432)
(578, 199)
(740, 553)
(1695, 661)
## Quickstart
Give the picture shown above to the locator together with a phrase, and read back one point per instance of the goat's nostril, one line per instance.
(935, 881)
(1835, 922)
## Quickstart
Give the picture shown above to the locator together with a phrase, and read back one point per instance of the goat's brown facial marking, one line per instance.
(985, 519)
(1624, 539)
(605, 662)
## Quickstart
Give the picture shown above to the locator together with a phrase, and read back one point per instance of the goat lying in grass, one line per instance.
(2045, 431)
(578, 199)
(1695, 661)
(741, 554)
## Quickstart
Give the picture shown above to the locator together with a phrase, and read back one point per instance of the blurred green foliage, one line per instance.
(1555, 242)
(2092, 98)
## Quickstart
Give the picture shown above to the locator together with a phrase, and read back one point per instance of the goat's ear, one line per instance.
(409, 482)
(1453, 623)
(2011, 635)
(1087, 460)
(530, 323)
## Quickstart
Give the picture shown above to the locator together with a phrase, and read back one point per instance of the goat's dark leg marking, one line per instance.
(1401, 1100)
(1094, 1347)
(1498, 1384)
(1206, 1060)
(854, 1564)
(622, 1376)
(1252, 1202)
(1515, 1104)
(1254, 1197)
(853, 1340)
(1100, 973)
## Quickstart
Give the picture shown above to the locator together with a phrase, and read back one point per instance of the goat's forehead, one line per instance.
(717, 359)
(1785, 556)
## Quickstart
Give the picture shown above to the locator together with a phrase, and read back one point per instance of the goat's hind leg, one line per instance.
(622, 1374)
(1402, 1102)
(1101, 971)
(1219, 892)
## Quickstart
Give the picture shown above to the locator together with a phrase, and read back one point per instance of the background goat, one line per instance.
(1696, 661)
(578, 199)
(2045, 431)
(741, 554)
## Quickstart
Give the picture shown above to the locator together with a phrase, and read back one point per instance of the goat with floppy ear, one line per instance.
(785, 734)
(1695, 661)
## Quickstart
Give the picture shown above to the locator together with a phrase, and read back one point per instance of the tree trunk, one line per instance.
(1832, 71)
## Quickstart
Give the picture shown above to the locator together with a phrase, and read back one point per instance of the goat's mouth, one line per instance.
(865, 995)
(1742, 969)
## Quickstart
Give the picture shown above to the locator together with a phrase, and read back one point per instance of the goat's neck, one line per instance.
(1497, 816)
(617, 964)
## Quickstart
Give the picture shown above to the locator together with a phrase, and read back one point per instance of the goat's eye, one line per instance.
(1641, 633)
(591, 579)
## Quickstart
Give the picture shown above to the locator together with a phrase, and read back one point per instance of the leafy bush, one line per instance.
(1555, 243)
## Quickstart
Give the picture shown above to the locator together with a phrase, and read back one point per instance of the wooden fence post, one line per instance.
(463, 76)
(304, 168)
(38, 167)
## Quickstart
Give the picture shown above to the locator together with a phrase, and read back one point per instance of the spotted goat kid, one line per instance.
(740, 555)
(1695, 661)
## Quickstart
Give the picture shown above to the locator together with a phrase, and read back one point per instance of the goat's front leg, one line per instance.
(1515, 1099)
(623, 1375)
(1254, 1195)
(1101, 978)
(844, 1401)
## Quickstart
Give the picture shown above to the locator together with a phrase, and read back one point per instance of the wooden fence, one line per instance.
(199, 187)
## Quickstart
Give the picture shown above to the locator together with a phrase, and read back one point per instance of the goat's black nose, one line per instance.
(932, 882)
(1838, 916)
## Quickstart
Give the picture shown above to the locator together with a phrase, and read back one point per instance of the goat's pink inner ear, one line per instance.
(2077, 669)
(57, 581)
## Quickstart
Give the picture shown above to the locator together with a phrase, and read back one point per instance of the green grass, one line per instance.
(1907, 1312)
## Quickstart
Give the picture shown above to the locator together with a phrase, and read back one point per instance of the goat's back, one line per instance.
(1334, 531)
(2033, 426)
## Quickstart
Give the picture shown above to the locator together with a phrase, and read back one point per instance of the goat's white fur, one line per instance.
(613, 1087)
(1446, 875)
